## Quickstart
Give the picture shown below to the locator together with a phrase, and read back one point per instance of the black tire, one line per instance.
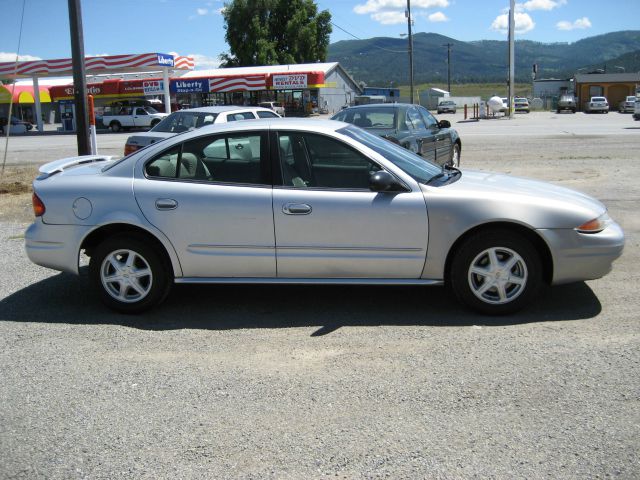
(140, 279)
(115, 127)
(510, 290)
(154, 123)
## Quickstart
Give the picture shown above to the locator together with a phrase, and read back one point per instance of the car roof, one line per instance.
(379, 105)
(314, 125)
(224, 108)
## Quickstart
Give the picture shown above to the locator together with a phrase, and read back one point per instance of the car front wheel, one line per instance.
(496, 272)
(129, 274)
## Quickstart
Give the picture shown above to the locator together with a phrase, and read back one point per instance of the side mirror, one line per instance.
(383, 182)
(444, 124)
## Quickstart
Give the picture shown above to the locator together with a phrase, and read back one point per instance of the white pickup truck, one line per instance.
(132, 117)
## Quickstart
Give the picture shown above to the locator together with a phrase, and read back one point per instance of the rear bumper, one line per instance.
(579, 256)
(55, 246)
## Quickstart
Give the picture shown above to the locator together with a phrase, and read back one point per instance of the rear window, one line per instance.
(179, 122)
(598, 99)
(369, 117)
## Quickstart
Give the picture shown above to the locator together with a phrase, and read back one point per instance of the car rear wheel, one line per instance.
(496, 272)
(115, 127)
(455, 156)
(129, 274)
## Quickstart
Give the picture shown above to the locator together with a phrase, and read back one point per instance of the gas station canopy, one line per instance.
(144, 62)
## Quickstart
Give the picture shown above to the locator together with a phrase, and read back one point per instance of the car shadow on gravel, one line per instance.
(65, 298)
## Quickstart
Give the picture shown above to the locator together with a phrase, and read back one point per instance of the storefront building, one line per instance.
(614, 86)
(302, 89)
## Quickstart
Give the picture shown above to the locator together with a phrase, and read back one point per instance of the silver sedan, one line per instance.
(300, 202)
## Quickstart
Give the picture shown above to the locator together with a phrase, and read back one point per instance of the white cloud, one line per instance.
(11, 57)
(523, 23)
(203, 61)
(220, 10)
(202, 11)
(580, 23)
(438, 17)
(389, 18)
(373, 6)
(100, 55)
(531, 5)
(392, 12)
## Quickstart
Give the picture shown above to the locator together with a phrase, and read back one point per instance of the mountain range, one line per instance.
(382, 60)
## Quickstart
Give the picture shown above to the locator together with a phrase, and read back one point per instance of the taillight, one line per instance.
(129, 149)
(38, 206)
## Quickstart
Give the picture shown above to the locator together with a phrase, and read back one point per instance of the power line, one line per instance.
(358, 38)
(13, 89)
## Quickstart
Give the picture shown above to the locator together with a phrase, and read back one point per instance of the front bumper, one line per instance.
(580, 256)
(55, 246)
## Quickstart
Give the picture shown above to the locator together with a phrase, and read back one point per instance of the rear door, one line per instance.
(212, 197)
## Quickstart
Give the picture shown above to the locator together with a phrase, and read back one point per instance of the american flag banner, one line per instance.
(239, 83)
(64, 66)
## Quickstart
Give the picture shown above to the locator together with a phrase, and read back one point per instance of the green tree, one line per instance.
(275, 32)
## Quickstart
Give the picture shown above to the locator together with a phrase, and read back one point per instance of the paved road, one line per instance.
(347, 382)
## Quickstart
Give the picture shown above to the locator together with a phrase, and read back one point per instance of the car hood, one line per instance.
(496, 196)
(148, 138)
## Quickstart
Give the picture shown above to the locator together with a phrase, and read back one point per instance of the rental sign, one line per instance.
(289, 81)
(153, 87)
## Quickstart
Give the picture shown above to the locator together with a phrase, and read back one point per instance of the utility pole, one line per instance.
(512, 26)
(448, 45)
(408, 15)
(79, 77)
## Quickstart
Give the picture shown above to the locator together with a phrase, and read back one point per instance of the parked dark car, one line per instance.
(15, 121)
(410, 126)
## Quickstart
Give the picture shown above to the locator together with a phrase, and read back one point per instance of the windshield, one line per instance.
(420, 169)
(179, 122)
(150, 110)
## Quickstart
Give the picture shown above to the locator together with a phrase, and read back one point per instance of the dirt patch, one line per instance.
(15, 193)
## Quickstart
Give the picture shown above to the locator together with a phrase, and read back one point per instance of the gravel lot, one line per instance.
(348, 382)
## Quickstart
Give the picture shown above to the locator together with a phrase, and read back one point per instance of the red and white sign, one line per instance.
(289, 81)
(153, 87)
(237, 84)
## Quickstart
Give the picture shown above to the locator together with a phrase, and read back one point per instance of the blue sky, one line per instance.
(195, 27)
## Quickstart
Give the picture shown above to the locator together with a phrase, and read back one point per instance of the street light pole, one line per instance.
(408, 15)
(512, 27)
(79, 77)
(448, 45)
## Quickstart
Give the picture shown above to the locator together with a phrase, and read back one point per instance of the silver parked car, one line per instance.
(628, 105)
(192, 118)
(596, 104)
(301, 202)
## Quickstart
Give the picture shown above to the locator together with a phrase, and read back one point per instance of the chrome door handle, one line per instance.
(166, 204)
(296, 209)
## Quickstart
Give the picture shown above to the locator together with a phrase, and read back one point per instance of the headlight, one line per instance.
(595, 225)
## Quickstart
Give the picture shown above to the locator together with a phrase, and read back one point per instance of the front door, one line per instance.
(211, 197)
(329, 224)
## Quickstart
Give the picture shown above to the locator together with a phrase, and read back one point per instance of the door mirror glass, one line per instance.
(444, 124)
